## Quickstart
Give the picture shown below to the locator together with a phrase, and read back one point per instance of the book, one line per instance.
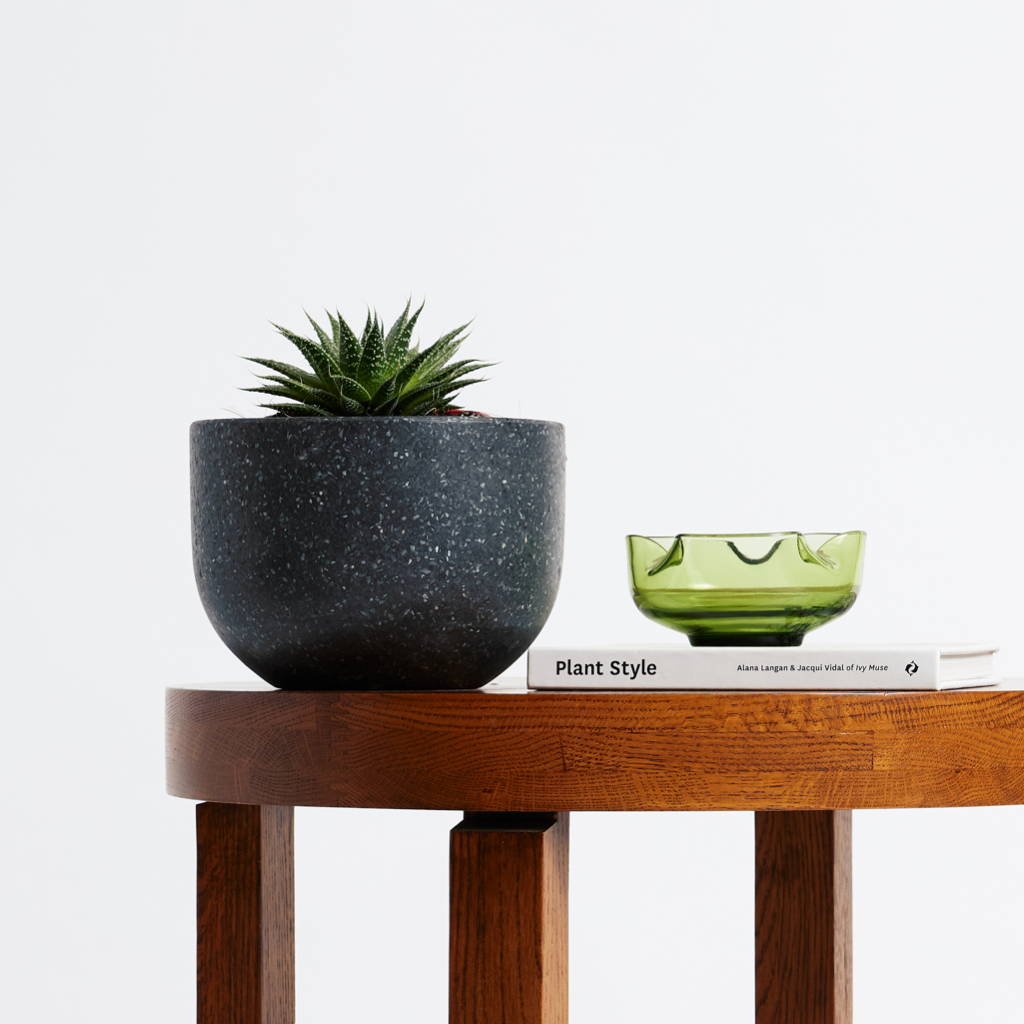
(665, 667)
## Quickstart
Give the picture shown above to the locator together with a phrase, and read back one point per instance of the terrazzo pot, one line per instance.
(377, 552)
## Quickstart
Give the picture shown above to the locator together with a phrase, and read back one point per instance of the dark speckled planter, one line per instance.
(379, 552)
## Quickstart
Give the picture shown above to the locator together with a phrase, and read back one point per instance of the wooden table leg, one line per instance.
(509, 919)
(245, 934)
(803, 923)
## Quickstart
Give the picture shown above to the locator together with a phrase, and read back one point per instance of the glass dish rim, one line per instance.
(779, 533)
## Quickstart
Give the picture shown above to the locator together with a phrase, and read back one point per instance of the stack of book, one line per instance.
(669, 667)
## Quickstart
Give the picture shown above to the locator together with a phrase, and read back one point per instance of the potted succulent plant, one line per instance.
(369, 533)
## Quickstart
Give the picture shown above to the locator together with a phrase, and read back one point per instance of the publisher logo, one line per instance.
(911, 668)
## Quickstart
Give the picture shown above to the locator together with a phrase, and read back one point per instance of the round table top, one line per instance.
(504, 748)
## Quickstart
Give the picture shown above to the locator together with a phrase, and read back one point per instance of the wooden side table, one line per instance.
(517, 763)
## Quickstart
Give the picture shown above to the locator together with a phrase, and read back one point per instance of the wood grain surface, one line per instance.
(511, 751)
(245, 934)
(803, 937)
(508, 957)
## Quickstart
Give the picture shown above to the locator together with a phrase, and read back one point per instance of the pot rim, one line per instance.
(450, 421)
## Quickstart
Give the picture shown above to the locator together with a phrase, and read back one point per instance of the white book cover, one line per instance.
(665, 667)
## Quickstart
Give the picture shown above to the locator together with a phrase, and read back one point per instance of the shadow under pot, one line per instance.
(377, 552)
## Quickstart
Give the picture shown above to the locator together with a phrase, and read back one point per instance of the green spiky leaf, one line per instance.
(325, 340)
(320, 360)
(300, 392)
(373, 364)
(397, 327)
(294, 409)
(353, 389)
(287, 370)
(351, 347)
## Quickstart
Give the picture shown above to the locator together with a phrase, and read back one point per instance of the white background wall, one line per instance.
(763, 260)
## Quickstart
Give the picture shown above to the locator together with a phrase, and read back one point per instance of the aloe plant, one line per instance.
(380, 373)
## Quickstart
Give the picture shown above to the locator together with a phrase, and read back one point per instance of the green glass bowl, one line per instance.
(745, 589)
